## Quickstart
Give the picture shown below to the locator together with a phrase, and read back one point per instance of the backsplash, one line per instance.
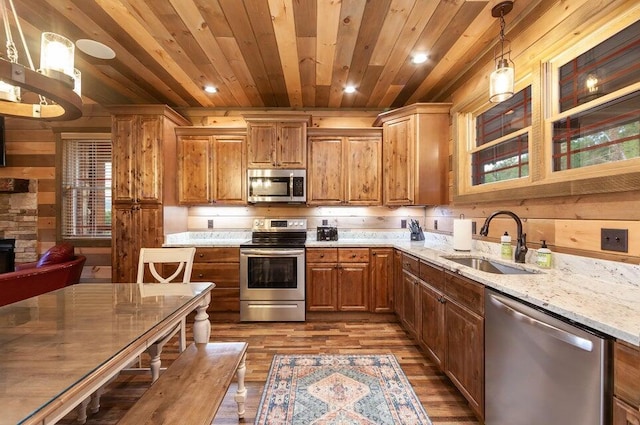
(345, 218)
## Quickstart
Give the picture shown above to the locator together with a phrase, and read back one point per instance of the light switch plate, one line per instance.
(614, 240)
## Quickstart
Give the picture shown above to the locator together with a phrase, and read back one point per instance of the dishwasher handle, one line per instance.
(569, 338)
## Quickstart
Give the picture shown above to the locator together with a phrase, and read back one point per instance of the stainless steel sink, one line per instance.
(488, 266)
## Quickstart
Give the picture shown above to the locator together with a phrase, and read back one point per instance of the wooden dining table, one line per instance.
(60, 348)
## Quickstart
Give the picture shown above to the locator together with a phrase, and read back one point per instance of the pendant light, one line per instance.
(502, 79)
(56, 85)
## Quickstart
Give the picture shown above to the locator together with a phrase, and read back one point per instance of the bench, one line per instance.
(191, 390)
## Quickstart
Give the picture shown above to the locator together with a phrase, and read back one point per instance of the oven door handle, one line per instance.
(278, 252)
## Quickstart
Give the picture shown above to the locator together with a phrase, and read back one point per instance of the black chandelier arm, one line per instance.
(68, 105)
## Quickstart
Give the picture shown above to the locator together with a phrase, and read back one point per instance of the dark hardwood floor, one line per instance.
(443, 403)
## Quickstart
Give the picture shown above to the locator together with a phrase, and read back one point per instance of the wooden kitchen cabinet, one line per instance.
(445, 313)
(464, 323)
(432, 312)
(144, 152)
(410, 311)
(397, 282)
(345, 167)
(211, 166)
(277, 142)
(337, 279)
(626, 384)
(381, 280)
(134, 226)
(220, 265)
(415, 152)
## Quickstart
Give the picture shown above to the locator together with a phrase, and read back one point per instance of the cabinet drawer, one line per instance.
(624, 414)
(322, 255)
(465, 291)
(411, 264)
(353, 255)
(224, 275)
(434, 276)
(217, 255)
(626, 375)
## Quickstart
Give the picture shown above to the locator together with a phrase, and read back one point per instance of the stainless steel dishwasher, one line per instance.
(542, 370)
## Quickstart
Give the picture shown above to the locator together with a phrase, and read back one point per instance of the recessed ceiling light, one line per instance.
(95, 49)
(210, 89)
(349, 89)
(419, 58)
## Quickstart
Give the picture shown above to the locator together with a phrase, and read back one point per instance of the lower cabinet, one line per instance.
(445, 313)
(220, 265)
(382, 280)
(626, 384)
(337, 279)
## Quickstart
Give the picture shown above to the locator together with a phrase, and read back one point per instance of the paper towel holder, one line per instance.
(462, 234)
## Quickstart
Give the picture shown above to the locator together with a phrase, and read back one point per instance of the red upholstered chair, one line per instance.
(56, 268)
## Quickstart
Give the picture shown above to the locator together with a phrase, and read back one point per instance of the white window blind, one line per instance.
(86, 186)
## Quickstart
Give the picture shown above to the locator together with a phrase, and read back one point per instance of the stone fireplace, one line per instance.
(19, 216)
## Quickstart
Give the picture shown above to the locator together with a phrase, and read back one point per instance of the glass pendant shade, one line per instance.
(56, 57)
(501, 82)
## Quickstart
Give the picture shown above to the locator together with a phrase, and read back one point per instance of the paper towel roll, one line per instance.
(462, 234)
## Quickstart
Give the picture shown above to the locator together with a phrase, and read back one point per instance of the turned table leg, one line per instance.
(241, 394)
(202, 325)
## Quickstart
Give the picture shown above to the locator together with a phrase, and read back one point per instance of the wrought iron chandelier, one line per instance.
(49, 93)
(501, 81)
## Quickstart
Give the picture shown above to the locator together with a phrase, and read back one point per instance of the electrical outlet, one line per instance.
(403, 224)
(614, 240)
(325, 222)
(210, 224)
(435, 224)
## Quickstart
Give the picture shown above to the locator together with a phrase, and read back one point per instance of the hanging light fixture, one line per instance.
(52, 91)
(502, 78)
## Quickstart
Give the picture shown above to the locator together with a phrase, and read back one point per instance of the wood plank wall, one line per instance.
(31, 154)
(569, 224)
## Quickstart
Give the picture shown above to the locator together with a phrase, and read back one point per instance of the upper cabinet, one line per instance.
(137, 148)
(211, 166)
(345, 167)
(277, 141)
(415, 154)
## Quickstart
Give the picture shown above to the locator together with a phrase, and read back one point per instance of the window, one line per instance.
(86, 186)
(596, 119)
(501, 149)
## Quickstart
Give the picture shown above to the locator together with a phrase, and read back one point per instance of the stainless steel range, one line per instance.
(272, 269)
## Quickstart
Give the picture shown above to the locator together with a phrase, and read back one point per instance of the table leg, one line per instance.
(202, 325)
(82, 411)
(241, 394)
(154, 351)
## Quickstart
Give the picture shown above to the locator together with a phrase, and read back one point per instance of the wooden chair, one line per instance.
(151, 262)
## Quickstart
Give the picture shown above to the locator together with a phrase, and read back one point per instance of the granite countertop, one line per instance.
(602, 295)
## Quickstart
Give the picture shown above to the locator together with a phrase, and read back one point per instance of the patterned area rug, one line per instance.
(338, 389)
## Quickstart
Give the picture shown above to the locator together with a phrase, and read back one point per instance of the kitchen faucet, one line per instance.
(521, 243)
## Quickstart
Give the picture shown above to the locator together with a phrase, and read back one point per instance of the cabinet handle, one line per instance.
(321, 255)
(200, 275)
(200, 255)
(353, 255)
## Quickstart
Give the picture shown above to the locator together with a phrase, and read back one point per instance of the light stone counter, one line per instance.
(603, 295)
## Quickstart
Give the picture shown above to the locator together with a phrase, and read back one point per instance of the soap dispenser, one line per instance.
(544, 256)
(505, 246)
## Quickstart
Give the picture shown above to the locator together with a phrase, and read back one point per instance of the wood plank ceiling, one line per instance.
(275, 53)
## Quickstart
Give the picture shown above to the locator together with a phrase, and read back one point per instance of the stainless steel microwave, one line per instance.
(277, 185)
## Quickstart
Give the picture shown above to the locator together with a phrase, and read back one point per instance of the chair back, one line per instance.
(151, 257)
